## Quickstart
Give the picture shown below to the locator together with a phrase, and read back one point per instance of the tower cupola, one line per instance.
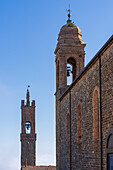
(69, 50)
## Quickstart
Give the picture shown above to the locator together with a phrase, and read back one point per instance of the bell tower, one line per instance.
(69, 53)
(69, 50)
(28, 135)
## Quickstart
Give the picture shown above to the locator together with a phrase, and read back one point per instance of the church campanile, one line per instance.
(28, 135)
(69, 50)
(69, 53)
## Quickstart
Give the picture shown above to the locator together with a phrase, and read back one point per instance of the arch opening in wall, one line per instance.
(96, 113)
(71, 70)
(69, 74)
(109, 150)
(28, 127)
(79, 123)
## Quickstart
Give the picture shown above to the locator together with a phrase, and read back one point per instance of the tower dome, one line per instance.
(70, 34)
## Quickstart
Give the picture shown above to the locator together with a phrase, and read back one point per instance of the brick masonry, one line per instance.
(69, 50)
(85, 154)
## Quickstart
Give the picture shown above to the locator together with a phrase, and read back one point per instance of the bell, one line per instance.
(27, 127)
(68, 73)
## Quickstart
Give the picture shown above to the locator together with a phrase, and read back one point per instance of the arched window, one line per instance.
(71, 69)
(96, 113)
(27, 127)
(79, 123)
(109, 149)
(68, 127)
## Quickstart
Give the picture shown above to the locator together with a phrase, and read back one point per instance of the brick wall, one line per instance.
(107, 96)
(86, 154)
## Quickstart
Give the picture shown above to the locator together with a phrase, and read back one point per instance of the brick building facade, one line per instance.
(84, 110)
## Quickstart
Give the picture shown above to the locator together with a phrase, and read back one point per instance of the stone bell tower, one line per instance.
(28, 135)
(69, 50)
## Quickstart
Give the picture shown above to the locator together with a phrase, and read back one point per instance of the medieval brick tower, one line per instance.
(69, 51)
(28, 135)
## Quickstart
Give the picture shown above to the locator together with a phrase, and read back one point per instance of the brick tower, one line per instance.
(28, 135)
(69, 51)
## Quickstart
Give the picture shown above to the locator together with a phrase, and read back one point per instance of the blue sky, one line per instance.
(28, 37)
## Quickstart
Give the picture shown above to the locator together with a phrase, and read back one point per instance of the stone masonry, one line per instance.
(88, 152)
(69, 50)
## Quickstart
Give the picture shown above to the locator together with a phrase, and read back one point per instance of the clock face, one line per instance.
(27, 127)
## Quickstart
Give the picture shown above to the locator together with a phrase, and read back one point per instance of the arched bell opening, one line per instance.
(69, 74)
(28, 127)
(71, 70)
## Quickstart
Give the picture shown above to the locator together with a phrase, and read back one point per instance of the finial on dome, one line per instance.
(69, 15)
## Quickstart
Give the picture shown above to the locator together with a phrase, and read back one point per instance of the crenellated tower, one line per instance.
(28, 135)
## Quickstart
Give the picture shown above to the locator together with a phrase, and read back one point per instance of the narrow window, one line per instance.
(79, 123)
(95, 114)
(27, 127)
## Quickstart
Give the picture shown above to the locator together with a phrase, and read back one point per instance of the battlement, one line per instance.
(23, 104)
